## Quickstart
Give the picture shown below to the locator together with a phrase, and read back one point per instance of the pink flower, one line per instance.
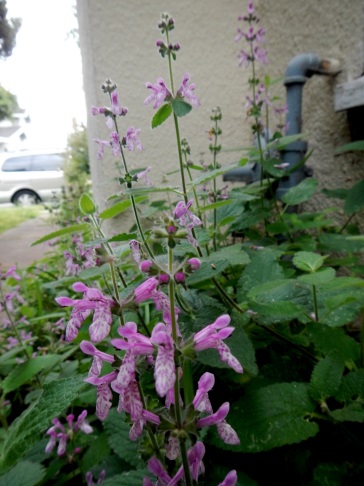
(93, 300)
(132, 139)
(225, 431)
(187, 91)
(211, 337)
(135, 250)
(164, 368)
(187, 219)
(145, 290)
(101, 147)
(230, 479)
(159, 93)
(201, 401)
(145, 174)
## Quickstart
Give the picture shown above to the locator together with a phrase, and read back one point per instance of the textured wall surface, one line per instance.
(118, 41)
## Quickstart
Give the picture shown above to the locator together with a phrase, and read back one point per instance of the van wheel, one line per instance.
(25, 198)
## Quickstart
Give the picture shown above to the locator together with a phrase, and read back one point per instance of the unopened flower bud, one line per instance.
(180, 277)
(163, 278)
(146, 265)
(194, 263)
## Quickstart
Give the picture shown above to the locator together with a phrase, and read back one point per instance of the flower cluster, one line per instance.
(160, 93)
(82, 258)
(93, 301)
(62, 434)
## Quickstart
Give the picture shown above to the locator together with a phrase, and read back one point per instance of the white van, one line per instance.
(31, 177)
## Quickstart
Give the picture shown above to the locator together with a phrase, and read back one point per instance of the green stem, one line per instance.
(314, 290)
(148, 426)
(137, 220)
(179, 149)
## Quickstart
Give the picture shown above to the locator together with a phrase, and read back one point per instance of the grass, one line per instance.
(13, 216)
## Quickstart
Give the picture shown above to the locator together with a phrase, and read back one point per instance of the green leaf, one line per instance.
(87, 206)
(123, 237)
(117, 431)
(354, 412)
(333, 340)
(180, 107)
(270, 313)
(282, 142)
(25, 473)
(216, 205)
(207, 271)
(352, 387)
(355, 200)
(64, 231)
(25, 430)
(342, 243)
(128, 478)
(235, 255)
(240, 346)
(161, 115)
(26, 371)
(120, 207)
(324, 275)
(300, 193)
(359, 145)
(270, 417)
(212, 174)
(308, 261)
(262, 268)
(326, 378)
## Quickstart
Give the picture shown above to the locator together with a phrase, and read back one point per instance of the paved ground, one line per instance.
(15, 244)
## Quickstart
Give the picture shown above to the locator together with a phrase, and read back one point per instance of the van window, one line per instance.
(47, 162)
(17, 164)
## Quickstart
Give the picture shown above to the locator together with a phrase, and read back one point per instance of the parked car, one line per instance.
(31, 177)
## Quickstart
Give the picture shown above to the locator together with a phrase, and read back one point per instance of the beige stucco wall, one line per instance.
(118, 41)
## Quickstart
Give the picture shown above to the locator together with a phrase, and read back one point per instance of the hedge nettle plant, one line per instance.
(158, 324)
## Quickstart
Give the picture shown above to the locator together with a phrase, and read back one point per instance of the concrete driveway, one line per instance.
(15, 244)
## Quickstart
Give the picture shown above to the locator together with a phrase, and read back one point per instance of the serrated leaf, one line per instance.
(355, 200)
(300, 193)
(308, 261)
(93, 272)
(25, 430)
(180, 107)
(240, 346)
(86, 204)
(333, 340)
(206, 272)
(342, 243)
(26, 371)
(117, 431)
(283, 311)
(354, 412)
(76, 228)
(120, 207)
(263, 268)
(25, 473)
(326, 378)
(235, 255)
(161, 115)
(323, 276)
(352, 386)
(270, 417)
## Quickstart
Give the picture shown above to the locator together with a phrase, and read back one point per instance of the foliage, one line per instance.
(165, 317)
(8, 30)
(11, 217)
(8, 104)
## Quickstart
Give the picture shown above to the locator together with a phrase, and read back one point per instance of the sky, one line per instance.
(45, 71)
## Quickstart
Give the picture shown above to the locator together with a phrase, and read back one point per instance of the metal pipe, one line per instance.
(298, 71)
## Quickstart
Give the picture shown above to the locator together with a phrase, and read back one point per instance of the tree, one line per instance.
(8, 30)
(8, 104)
